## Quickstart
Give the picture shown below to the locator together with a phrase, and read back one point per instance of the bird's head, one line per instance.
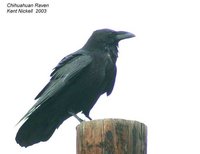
(106, 38)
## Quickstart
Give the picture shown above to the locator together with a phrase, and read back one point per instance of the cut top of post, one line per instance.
(111, 136)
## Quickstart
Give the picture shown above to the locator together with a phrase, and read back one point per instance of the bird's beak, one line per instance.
(123, 35)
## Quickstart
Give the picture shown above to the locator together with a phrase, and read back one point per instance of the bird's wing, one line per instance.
(65, 67)
(70, 67)
(111, 80)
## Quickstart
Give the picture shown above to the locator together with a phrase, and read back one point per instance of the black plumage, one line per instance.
(76, 84)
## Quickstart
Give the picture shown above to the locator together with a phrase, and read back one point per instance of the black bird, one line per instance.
(76, 83)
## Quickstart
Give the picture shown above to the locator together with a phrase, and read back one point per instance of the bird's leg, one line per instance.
(87, 115)
(74, 115)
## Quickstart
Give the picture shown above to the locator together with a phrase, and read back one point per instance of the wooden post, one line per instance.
(111, 136)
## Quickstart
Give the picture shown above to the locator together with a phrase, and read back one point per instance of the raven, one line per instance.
(76, 83)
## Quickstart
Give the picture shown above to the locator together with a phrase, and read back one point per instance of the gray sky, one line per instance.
(158, 80)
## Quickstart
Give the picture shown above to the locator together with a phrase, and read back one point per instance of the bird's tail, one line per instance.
(39, 126)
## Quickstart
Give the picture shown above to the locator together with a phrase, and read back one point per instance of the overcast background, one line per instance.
(158, 80)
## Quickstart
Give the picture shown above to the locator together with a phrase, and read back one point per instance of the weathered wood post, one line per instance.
(111, 136)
